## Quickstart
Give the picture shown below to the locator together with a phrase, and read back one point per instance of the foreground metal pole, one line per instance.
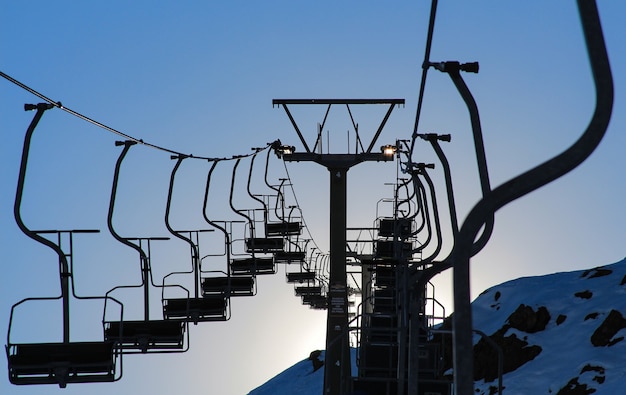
(522, 185)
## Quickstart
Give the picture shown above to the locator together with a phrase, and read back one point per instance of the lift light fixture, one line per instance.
(388, 150)
(287, 149)
(281, 149)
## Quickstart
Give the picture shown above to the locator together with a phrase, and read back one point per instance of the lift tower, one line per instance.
(337, 372)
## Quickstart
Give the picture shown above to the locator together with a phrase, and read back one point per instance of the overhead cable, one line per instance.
(58, 104)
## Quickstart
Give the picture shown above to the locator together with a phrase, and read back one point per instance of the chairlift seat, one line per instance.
(146, 335)
(308, 290)
(300, 277)
(315, 301)
(228, 286)
(288, 257)
(283, 228)
(61, 363)
(386, 249)
(208, 308)
(398, 227)
(265, 244)
(252, 266)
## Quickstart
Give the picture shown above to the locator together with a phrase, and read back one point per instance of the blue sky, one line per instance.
(199, 78)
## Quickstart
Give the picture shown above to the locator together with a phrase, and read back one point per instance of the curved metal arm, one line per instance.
(195, 254)
(206, 218)
(433, 198)
(265, 210)
(479, 147)
(406, 201)
(41, 108)
(421, 208)
(116, 175)
(433, 139)
(422, 201)
(64, 267)
(230, 201)
(279, 194)
(145, 263)
(524, 184)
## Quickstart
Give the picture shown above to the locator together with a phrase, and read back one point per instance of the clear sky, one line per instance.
(199, 78)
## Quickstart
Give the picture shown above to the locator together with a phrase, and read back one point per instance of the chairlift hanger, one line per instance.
(283, 227)
(147, 335)
(453, 69)
(191, 309)
(435, 210)
(280, 201)
(254, 265)
(434, 139)
(253, 243)
(57, 362)
(522, 185)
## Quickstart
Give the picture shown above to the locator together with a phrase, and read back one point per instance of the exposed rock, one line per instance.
(591, 316)
(528, 320)
(314, 357)
(596, 272)
(573, 387)
(603, 335)
(587, 294)
(599, 272)
(497, 296)
(600, 377)
(516, 353)
(560, 319)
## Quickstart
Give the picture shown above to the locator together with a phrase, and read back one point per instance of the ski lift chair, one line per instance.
(317, 302)
(301, 276)
(66, 361)
(286, 226)
(144, 335)
(218, 284)
(196, 308)
(254, 265)
(294, 253)
(395, 227)
(223, 284)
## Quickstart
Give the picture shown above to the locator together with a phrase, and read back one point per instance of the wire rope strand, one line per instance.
(108, 128)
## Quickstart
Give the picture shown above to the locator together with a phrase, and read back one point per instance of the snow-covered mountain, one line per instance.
(300, 379)
(570, 327)
(561, 334)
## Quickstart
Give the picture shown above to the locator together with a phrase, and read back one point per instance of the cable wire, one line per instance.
(108, 128)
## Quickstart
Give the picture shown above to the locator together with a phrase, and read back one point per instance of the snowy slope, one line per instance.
(579, 304)
(298, 379)
(583, 301)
